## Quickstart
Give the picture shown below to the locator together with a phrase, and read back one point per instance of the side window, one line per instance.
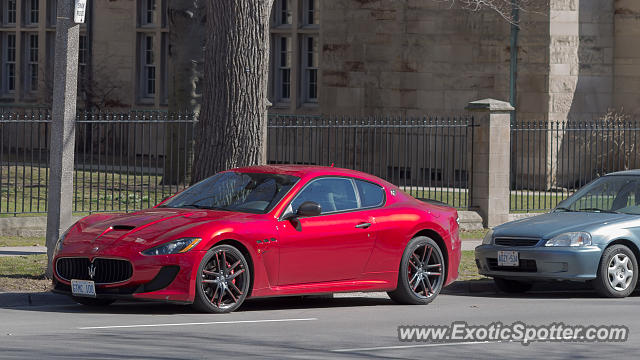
(371, 195)
(333, 194)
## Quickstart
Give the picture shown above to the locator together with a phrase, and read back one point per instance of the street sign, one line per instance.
(80, 11)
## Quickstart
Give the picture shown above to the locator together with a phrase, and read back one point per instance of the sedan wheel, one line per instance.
(617, 273)
(422, 273)
(223, 280)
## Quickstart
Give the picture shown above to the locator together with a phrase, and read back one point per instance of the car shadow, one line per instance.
(540, 290)
(50, 302)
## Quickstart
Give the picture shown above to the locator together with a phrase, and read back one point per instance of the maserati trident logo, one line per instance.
(92, 271)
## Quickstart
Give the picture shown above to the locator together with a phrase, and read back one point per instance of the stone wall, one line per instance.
(410, 57)
(627, 56)
(114, 52)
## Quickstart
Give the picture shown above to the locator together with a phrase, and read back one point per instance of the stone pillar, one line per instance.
(65, 93)
(491, 160)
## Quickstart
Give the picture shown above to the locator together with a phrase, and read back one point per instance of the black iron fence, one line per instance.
(551, 160)
(129, 161)
(427, 157)
(123, 161)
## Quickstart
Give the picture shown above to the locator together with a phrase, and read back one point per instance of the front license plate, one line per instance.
(508, 258)
(83, 288)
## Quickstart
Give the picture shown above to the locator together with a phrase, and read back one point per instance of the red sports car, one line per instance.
(264, 231)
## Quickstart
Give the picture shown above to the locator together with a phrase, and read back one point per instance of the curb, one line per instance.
(9, 300)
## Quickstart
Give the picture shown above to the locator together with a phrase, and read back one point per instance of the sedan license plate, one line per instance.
(83, 288)
(508, 258)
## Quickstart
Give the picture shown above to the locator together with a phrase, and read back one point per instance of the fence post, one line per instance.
(491, 160)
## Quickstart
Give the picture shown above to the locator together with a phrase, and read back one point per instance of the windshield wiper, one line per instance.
(563, 209)
(200, 207)
(600, 210)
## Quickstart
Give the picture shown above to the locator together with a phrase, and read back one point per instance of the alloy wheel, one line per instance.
(425, 271)
(224, 279)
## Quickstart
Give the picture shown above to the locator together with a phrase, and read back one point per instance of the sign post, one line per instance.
(65, 88)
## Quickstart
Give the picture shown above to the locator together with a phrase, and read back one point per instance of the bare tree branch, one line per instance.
(504, 8)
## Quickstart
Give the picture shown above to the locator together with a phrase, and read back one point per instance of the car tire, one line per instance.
(617, 273)
(86, 301)
(416, 285)
(222, 291)
(512, 286)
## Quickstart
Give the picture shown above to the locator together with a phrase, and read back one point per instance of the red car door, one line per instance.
(335, 245)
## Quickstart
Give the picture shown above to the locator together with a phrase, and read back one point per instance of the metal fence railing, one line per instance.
(427, 157)
(128, 161)
(123, 162)
(551, 160)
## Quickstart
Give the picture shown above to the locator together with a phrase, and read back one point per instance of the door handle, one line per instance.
(363, 225)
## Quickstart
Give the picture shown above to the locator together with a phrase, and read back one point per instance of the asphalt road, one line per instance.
(348, 326)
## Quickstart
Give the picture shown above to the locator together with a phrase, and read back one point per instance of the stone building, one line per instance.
(575, 60)
(122, 56)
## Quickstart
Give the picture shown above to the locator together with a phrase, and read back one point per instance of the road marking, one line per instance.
(195, 323)
(415, 346)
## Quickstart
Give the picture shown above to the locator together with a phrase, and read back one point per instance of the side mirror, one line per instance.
(309, 208)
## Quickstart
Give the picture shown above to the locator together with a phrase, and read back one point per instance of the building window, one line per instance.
(32, 12)
(283, 14)
(32, 62)
(283, 69)
(52, 9)
(147, 12)
(310, 69)
(148, 67)
(311, 12)
(8, 63)
(8, 12)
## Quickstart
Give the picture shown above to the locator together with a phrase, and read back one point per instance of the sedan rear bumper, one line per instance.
(541, 263)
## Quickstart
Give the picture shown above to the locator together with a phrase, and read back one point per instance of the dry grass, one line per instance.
(23, 274)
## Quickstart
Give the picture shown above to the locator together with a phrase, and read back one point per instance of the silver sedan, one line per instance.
(592, 236)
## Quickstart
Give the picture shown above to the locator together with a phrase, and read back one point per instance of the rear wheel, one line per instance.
(422, 273)
(512, 286)
(223, 280)
(617, 273)
(92, 301)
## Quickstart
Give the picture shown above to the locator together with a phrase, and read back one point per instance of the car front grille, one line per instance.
(525, 265)
(104, 271)
(516, 242)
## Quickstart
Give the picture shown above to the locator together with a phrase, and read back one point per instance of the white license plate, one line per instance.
(83, 288)
(508, 258)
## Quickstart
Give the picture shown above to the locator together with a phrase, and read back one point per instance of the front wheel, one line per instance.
(617, 272)
(422, 273)
(223, 280)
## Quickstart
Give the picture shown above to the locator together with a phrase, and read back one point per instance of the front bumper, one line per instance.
(541, 263)
(168, 278)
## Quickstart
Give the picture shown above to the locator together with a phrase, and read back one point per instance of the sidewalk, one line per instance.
(22, 250)
(468, 244)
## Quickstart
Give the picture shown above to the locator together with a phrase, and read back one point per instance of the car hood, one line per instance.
(147, 228)
(551, 224)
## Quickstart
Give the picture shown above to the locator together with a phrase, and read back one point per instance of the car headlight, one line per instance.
(573, 239)
(488, 238)
(60, 242)
(173, 247)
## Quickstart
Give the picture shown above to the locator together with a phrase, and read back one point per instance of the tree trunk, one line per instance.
(186, 58)
(231, 131)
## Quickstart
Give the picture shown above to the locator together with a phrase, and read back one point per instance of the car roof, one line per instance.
(307, 170)
(635, 172)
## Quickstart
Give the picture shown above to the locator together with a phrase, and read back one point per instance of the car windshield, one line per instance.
(235, 191)
(608, 194)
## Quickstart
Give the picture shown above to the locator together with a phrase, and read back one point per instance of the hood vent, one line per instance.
(123, 227)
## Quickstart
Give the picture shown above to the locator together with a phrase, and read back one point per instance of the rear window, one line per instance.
(371, 195)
